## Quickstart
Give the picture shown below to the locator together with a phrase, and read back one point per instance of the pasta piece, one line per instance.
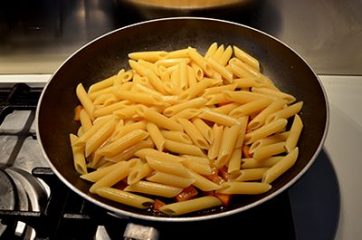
(211, 50)
(187, 113)
(123, 143)
(219, 98)
(182, 53)
(194, 133)
(150, 152)
(248, 82)
(137, 97)
(182, 148)
(284, 96)
(141, 125)
(85, 100)
(239, 71)
(170, 167)
(161, 120)
(250, 108)
(179, 208)
(259, 119)
(118, 172)
(267, 141)
(200, 61)
(221, 70)
(246, 188)
(248, 163)
(195, 159)
(154, 79)
(226, 55)
(101, 172)
(195, 103)
(218, 118)
(108, 82)
(203, 169)
(78, 156)
(266, 130)
(215, 145)
(294, 134)
(203, 128)
(203, 183)
(243, 97)
(218, 89)
(91, 131)
(218, 53)
(235, 161)
(183, 75)
(126, 112)
(247, 58)
(153, 189)
(126, 198)
(229, 137)
(199, 73)
(281, 166)
(176, 136)
(285, 113)
(269, 150)
(250, 174)
(85, 120)
(99, 137)
(171, 180)
(169, 62)
(151, 56)
(226, 109)
(137, 173)
(156, 135)
(196, 89)
(191, 76)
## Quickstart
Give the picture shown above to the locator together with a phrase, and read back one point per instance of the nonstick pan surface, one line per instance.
(104, 56)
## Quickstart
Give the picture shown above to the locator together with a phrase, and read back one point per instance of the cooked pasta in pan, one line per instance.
(185, 130)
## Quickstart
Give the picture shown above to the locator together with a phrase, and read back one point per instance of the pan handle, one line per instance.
(140, 232)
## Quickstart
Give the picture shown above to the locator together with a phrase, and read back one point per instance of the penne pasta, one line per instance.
(153, 189)
(123, 197)
(179, 208)
(216, 143)
(190, 127)
(156, 135)
(170, 167)
(294, 133)
(171, 180)
(194, 133)
(182, 148)
(281, 166)
(78, 156)
(246, 188)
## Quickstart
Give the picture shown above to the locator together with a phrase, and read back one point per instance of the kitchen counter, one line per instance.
(316, 205)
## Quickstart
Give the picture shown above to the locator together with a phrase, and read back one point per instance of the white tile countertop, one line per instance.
(330, 193)
(344, 146)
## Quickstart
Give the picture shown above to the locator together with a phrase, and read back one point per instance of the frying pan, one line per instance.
(105, 55)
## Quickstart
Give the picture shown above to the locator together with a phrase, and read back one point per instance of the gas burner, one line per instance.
(20, 192)
(8, 199)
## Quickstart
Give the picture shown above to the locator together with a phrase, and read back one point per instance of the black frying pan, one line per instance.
(106, 55)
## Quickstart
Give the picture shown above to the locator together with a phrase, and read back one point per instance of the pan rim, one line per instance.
(124, 213)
